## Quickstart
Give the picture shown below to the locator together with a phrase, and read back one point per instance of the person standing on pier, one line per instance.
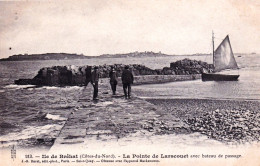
(113, 80)
(127, 80)
(94, 82)
(88, 75)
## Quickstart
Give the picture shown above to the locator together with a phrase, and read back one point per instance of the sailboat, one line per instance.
(223, 59)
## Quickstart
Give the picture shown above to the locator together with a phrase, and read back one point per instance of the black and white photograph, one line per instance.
(130, 82)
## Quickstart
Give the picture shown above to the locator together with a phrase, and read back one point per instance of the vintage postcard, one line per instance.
(130, 82)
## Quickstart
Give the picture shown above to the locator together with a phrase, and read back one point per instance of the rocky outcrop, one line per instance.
(59, 76)
(74, 75)
(187, 66)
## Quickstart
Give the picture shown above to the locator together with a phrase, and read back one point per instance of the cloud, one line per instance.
(98, 27)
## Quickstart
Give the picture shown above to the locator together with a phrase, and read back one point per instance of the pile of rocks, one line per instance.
(166, 127)
(59, 76)
(228, 125)
(74, 75)
(187, 66)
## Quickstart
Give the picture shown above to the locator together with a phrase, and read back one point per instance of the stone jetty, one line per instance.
(113, 118)
(79, 75)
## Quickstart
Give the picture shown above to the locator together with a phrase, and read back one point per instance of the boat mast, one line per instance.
(213, 49)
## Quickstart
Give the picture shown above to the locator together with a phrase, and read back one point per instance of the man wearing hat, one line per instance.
(113, 79)
(94, 82)
(127, 80)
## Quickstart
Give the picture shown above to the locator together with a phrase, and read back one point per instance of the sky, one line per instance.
(95, 27)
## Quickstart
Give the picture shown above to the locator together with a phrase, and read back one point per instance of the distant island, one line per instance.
(135, 54)
(47, 56)
(145, 54)
(66, 56)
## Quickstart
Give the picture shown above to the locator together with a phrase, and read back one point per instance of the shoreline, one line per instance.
(209, 99)
(228, 121)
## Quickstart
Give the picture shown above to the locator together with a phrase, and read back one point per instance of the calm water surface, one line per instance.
(247, 88)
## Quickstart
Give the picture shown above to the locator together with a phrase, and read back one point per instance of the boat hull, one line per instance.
(218, 77)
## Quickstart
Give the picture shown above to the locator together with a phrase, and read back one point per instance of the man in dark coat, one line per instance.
(94, 82)
(127, 80)
(88, 75)
(113, 80)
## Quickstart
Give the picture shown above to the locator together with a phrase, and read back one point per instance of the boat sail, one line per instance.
(223, 58)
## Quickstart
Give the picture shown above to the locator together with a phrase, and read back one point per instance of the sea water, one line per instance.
(29, 112)
(246, 88)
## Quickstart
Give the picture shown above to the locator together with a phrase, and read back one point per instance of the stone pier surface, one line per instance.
(113, 118)
(114, 126)
(114, 122)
